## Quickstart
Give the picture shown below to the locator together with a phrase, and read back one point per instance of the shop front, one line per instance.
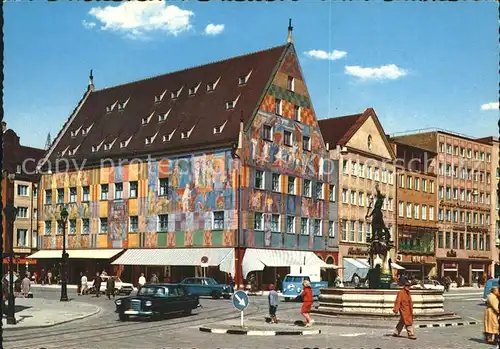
(20, 264)
(88, 262)
(421, 267)
(469, 265)
(264, 266)
(175, 264)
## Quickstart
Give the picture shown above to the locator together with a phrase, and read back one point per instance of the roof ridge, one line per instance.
(190, 68)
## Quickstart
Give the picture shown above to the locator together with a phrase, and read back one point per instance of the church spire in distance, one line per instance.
(290, 29)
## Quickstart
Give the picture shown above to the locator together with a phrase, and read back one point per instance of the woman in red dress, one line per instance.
(307, 301)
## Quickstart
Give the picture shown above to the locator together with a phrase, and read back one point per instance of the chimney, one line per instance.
(91, 81)
(290, 29)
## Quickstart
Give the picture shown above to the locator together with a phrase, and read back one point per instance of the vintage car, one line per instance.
(429, 285)
(120, 286)
(292, 286)
(155, 301)
(200, 286)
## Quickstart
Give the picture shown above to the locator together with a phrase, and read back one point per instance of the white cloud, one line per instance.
(135, 18)
(490, 106)
(389, 72)
(214, 29)
(320, 54)
(88, 25)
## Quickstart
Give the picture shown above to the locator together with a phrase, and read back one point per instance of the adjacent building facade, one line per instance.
(464, 185)
(220, 168)
(416, 196)
(20, 188)
(366, 159)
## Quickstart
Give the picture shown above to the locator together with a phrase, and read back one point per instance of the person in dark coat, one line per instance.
(154, 279)
(110, 287)
(97, 285)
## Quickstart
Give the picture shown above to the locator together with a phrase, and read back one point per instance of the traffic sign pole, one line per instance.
(241, 319)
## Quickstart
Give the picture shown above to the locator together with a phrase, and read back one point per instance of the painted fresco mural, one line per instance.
(287, 160)
(198, 186)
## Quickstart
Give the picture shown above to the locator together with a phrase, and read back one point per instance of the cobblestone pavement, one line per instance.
(104, 331)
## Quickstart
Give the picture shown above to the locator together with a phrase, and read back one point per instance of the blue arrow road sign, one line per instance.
(240, 300)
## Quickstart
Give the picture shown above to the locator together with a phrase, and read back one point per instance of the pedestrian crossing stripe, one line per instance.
(452, 324)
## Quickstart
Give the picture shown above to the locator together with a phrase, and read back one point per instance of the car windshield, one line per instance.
(210, 281)
(151, 291)
(295, 279)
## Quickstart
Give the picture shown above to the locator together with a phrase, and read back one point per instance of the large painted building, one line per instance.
(20, 188)
(220, 166)
(366, 159)
(465, 239)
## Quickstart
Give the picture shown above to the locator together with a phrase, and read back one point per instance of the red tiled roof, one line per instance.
(340, 129)
(203, 111)
(16, 154)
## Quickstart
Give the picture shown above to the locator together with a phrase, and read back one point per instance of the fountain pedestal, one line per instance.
(378, 303)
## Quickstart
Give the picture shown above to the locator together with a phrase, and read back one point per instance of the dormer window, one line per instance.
(124, 144)
(94, 148)
(108, 146)
(212, 85)
(159, 98)
(186, 134)
(86, 130)
(74, 133)
(146, 120)
(163, 117)
(59, 154)
(73, 151)
(218, 129)
(194, 89)
(244, 79)
(167, 138)
(230, 105)
(151, 139)
(122, 105)
(110, 108)
(176, 94)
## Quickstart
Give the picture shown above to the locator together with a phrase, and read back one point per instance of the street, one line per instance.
(104, 329)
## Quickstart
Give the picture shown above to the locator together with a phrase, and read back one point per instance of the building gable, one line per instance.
(371, 129)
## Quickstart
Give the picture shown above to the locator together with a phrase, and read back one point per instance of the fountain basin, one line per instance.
(377, 303)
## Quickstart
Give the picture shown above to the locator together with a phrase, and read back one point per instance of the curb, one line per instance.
(260, 333)
(449, 324)
(14, 328)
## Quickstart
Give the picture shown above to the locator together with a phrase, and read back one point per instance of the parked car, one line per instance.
(429, 285)
(487, 287)
(292, 286)
(200, 286)
(155, 301)
(120, 286)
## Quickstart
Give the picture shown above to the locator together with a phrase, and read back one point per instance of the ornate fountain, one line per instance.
(378, 300)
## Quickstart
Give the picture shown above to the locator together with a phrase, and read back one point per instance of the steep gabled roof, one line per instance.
(115, 115)
(16, 155)
(339, 130)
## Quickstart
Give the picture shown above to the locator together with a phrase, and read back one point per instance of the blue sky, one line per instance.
(418, 64)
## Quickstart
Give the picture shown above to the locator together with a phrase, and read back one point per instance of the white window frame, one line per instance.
(278, 228)
(275, 176)
(318, 223)
(130, 226)
(259, 176)
(218, 213)
(306, 190)
(258, 223)
(159, 223)
(292, 218)
(101, 220)
(293, 181)
(332, 197)
(306, 221)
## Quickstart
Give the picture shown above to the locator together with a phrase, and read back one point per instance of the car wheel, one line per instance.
(226, 296)
(123, 317)
(215, 295)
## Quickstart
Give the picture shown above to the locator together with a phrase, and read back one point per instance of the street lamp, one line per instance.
(10, 212)
(64, 280)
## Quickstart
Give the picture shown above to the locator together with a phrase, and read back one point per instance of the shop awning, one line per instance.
(258, 259)
(221, 257)
(397, 266)
(98, 253)
(353, 266)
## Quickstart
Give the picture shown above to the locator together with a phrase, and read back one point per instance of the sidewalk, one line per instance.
(37, 313)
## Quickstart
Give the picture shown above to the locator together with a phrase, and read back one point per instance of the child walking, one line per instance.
(273, 303)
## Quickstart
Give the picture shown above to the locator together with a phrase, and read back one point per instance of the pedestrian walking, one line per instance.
(84, 283)
(110, 287)
(49, 277)
(491, 314)
(79, 285)
(404, 306)
(97, 285)
(307, 301)
(154, 279)
(25, 286)
(142, 281)
(273, 303)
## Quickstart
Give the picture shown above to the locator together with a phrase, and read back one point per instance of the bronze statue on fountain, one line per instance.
(380, 274)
